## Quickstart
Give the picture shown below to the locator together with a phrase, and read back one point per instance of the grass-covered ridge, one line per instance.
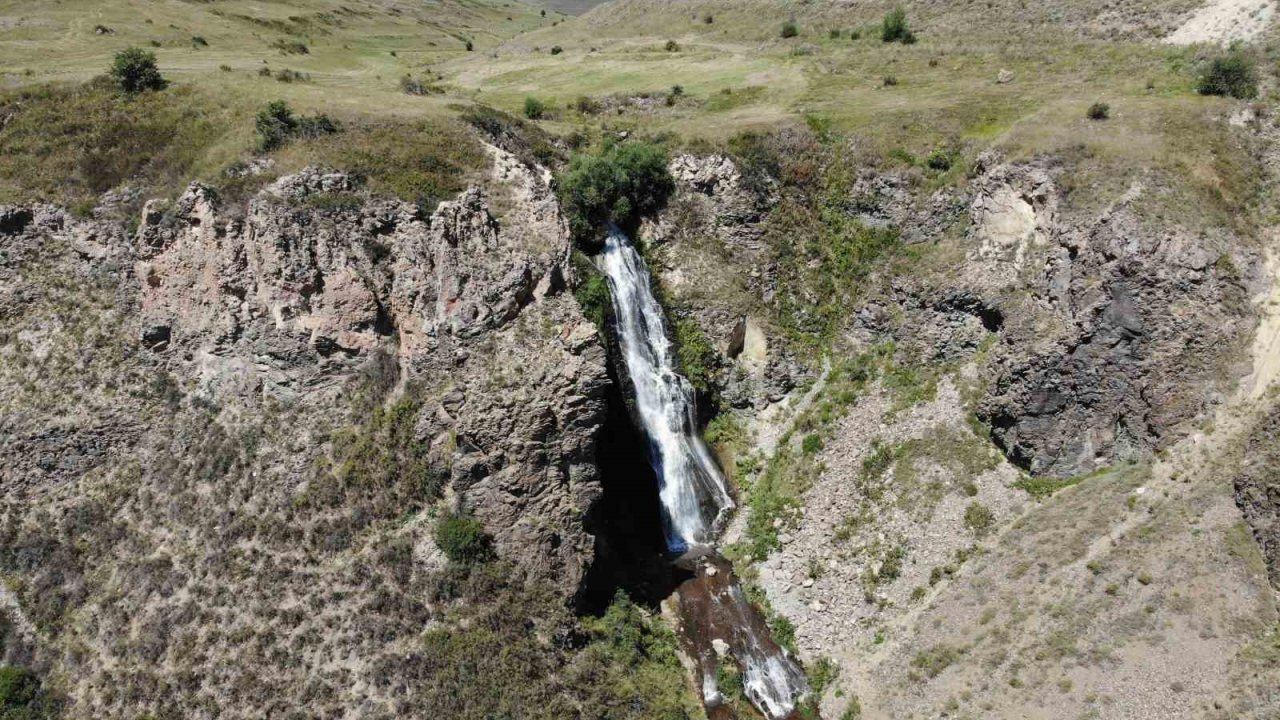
(67, 144)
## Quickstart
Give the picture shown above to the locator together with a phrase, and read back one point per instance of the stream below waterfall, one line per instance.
(718, 625)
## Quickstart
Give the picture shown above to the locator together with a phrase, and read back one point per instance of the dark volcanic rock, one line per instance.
(1257, 487)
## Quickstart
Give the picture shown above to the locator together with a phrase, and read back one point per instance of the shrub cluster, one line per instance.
(623, 183)
(939, 160)
(1232, 74)
(592, 291)
(789, 29)
(276, 124)
(22, 698)
(410, 85)
(289, 76)
(1099, 111)
(135, 70)
(895, 28)
(291, 47)
(463, 539)
(979, 519)
(534, 108)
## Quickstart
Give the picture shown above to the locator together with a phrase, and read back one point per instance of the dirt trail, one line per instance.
(1225, 21)
(1266, 344)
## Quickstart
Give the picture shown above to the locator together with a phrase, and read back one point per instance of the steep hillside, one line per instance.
(314, 400)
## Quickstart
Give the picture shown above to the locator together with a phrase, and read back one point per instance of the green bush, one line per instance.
(891, 568)
(410, 85)
(289, 76)
(698, 359)
(1099, 111)
(1042, 487)
(979, 519)
(934, 660)
(556, 49)
(276, 124)
(586, 105)
(463, 539)
(672, 46)
(623, 183)
(789, 29)
(1232, 74)
(22, 698)
(135, 70)
(630, 667)
(592, 291)
(534, 108)
(895, 28)
(811, 444)
(939, 160)
(291, 47)
(18, 688)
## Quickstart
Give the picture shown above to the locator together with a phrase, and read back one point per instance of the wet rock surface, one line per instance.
(723, 632)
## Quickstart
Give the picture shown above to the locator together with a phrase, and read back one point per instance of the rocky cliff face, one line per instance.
(225, 436)
(1258, 493)
(1009, 312)
(1114, 329)
(1115, 332)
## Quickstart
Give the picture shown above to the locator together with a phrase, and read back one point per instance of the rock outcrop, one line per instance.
(316, 269)
(716, 267)
(1258, 490)
(226, 438)
(1114, 333)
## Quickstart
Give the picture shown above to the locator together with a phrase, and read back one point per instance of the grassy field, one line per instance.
(701, 71)
(895, 103)
(67, 139)
(354, 53)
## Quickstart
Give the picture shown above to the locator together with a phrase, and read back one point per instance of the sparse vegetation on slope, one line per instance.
(237, 540)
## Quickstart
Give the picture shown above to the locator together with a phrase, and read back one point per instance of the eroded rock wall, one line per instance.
(1116, 332)
(219, 434)
(1257, 487)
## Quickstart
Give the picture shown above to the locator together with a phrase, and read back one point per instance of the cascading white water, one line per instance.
(693, 495)
(692, 491)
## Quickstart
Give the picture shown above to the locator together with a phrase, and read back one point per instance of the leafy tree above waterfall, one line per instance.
(621, 184)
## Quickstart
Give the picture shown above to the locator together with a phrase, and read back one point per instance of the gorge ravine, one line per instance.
(718, 624)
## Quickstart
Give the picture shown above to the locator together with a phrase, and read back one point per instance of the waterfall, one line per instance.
(692, 491)
(694, 501)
